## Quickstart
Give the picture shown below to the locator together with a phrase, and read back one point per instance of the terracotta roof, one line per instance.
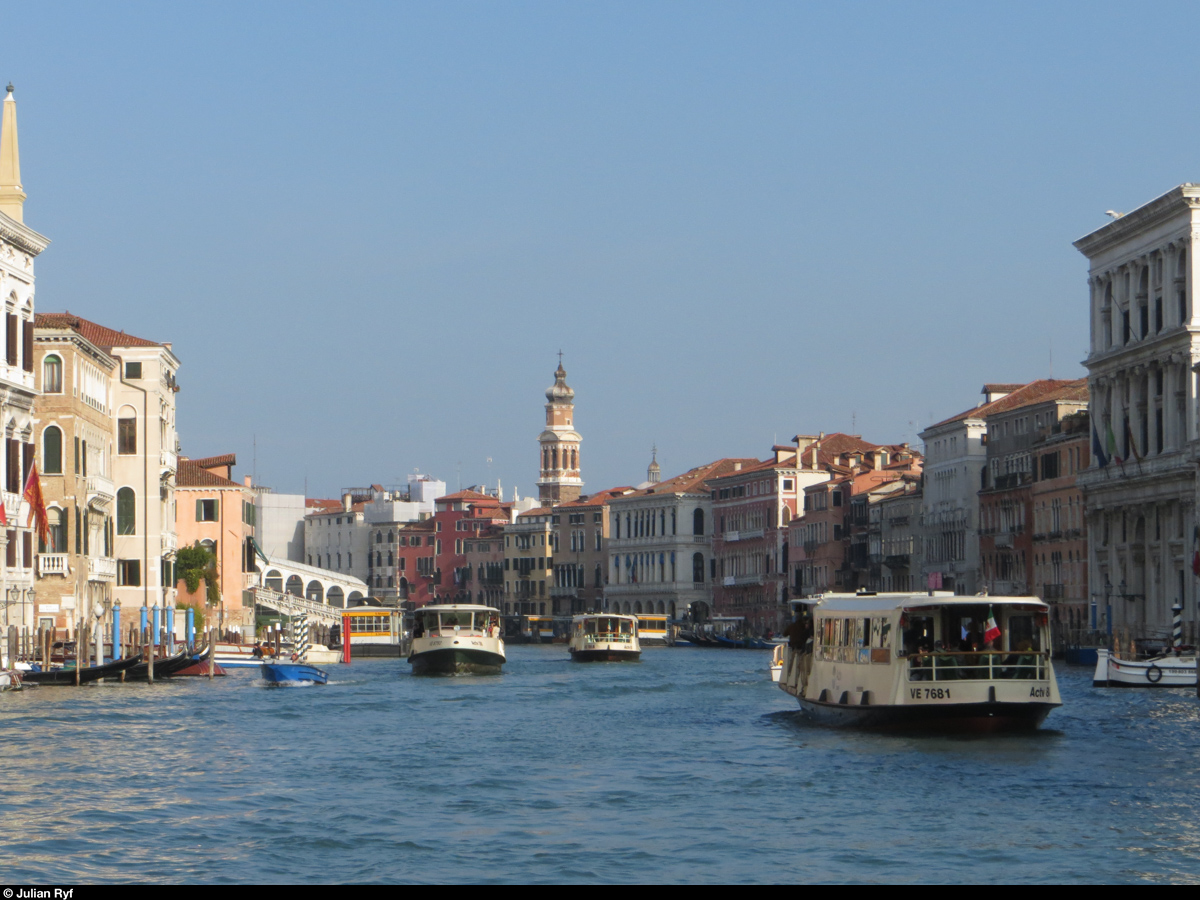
(993, 388)
(465, 495)
(694, 480)
(315, 503)
(212, 462)
(1026, 395)
(599, 498)
(188, 474)
(833, 447)
(104, 338)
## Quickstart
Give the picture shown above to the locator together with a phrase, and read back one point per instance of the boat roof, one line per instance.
(916, 601)
(457, 607)
(632, 618)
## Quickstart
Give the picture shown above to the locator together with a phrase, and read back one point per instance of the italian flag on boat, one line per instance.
(993, 630)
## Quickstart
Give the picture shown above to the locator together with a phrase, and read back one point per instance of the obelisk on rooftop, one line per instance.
(12, 197)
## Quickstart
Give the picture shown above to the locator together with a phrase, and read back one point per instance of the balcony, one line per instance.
(102, 568)
(738, 580)
(1004, 541)
(1053, 592)
(52, 564)
(168, 460)
(169, 541)
(100, 490)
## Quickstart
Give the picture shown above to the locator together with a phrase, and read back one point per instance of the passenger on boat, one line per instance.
(946, 663)
(799, 632)
(257, 652)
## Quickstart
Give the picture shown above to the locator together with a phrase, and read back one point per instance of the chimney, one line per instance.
(803, 442)
(246, 480)
(346, 501)
(737, 467)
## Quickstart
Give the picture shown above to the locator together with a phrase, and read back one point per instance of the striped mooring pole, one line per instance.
(1177, 627)
(302, 639)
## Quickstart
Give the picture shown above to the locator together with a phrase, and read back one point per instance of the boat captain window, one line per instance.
(1022, 628)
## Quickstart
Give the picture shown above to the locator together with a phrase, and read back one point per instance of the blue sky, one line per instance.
(368, 228)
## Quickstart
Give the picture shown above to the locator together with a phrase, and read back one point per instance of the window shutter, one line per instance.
(199, 510)
(13, 475)
(11, 339)
(26, 463)
(27, 349)
(217, 510)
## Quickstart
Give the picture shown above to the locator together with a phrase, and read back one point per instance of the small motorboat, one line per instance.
(298, 671)
(293, 673)
(10, 680)
(1167, 670)
(323, 656)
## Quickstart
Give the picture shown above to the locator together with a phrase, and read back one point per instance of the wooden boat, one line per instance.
(1167, 670)
(86, 675)
(293, 673)
(457, 639)
(777, 662)
(895, 661)
(165, 667)
(198, 668)
(604, 638)
(10, 680)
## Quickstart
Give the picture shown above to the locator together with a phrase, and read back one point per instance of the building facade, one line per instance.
(19, 246)
(529, 564)
(1140, 491)
(75, 431)
(218, 513)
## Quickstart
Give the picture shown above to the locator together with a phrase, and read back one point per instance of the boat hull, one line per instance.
(292, 673)
(978, 718)
(456, 661)
(1168, 671)
(606, 655)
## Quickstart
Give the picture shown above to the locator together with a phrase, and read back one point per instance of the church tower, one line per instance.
(559, 481)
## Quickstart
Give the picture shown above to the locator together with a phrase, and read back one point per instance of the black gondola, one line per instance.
(91, 673)
(163, 668)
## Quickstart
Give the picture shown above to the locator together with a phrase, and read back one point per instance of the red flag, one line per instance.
(1196, 564)
(37, 506)
(3, 515)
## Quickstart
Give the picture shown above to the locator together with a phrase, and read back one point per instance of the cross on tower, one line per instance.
(560, 357)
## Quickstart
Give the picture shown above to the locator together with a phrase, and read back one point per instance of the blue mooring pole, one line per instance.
(116, 630)
(191, 628)
(157, 625)
(143, 623)
(171, 629)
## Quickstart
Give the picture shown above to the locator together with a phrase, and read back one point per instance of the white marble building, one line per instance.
(1145, 346)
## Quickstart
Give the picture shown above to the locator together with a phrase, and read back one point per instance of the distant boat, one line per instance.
(607, 638)
(163, 668)
(1159, 671)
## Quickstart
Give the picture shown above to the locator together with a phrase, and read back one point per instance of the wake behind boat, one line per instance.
(457, 639)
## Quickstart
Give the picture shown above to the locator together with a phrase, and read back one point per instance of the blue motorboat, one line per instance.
(293, 673)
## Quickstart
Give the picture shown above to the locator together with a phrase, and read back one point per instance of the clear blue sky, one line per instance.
(368, 228)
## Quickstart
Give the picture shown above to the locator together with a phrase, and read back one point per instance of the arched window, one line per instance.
(52, 450)
(698, 522)
(295, 586)
(126, 511)
(56, 540)
(52, 375)
(127, 431)
(698, 568)
(574, 459)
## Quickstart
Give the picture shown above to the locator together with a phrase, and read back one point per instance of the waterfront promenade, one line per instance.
(689, 766)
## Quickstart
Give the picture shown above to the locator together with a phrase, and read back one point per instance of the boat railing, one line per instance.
(967, 666)
(609, 637)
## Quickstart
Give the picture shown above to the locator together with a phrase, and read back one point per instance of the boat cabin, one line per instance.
(610, 629)
(449, 620)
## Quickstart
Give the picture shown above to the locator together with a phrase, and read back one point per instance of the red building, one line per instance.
(432, 561)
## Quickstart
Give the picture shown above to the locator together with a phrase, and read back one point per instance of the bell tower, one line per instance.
(559, 481)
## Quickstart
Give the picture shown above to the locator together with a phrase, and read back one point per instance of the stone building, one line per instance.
(19, 246)
(76, 431)
(1006, 510)
(140, 450)
(660, 545)
(529, 564)
(218, 513)
(899, 542)
(1059, 545)
(581, 530)
(1140, 491)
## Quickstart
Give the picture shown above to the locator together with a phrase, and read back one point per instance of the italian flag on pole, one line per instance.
(993, 630)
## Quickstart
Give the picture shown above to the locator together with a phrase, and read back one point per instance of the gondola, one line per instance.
(163, 668)
(86, 675)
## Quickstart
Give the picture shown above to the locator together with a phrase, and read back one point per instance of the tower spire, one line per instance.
(12, 197)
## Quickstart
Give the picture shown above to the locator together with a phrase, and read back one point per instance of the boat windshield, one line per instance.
(458, 619)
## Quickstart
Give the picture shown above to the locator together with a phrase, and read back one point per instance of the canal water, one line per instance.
(689, 766)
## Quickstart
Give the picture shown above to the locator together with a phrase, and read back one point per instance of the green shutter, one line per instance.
(199, 510)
